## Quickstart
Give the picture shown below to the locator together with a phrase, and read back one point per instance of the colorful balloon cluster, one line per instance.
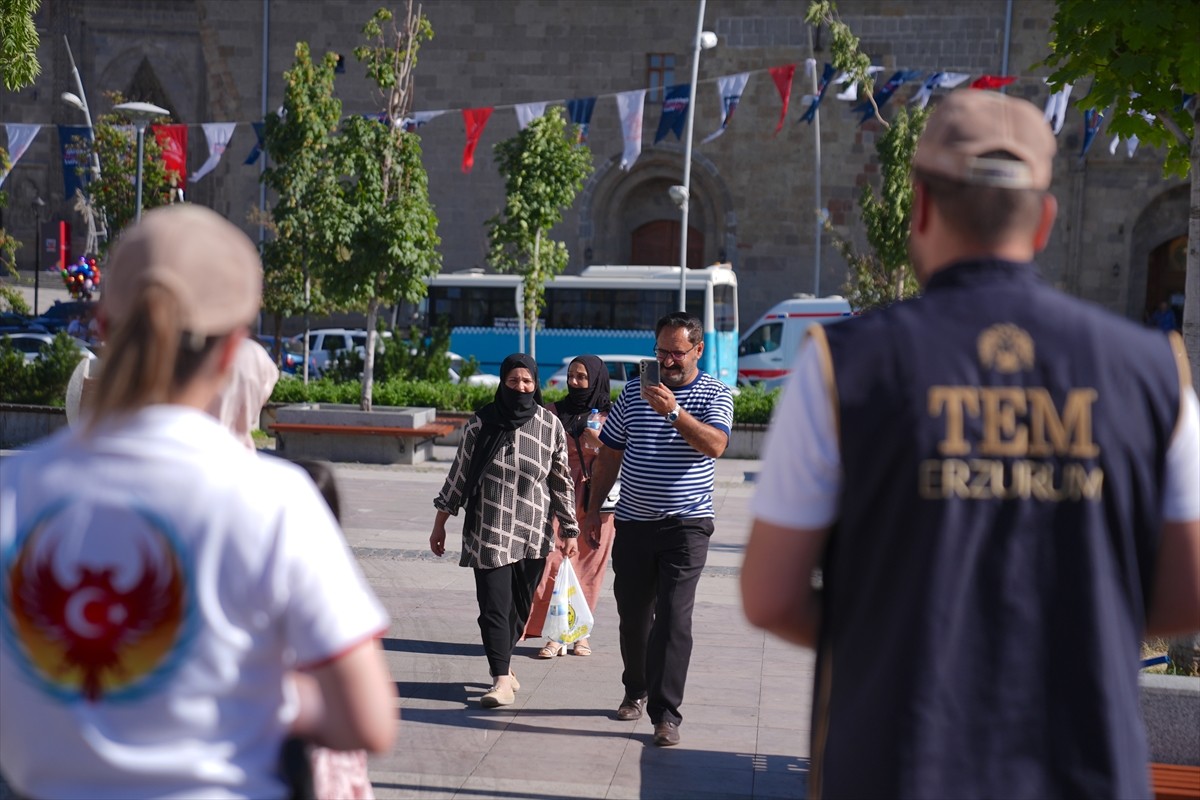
(82, 278)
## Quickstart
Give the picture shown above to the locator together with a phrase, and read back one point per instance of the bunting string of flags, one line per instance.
(630, 108)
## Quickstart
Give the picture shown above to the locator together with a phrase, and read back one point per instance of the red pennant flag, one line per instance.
(476, 120)
(783, 82)
(173, 141)
(992, 81)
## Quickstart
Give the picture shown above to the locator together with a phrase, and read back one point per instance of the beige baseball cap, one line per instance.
(970, 123)
(207, 262)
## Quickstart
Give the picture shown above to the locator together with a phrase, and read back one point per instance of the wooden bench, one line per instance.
(329, 442)
(1174, 781)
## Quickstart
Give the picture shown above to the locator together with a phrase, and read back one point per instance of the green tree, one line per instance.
(18, 43)
(543, 170)
(304, 219)
(114, 193)
(11, 297)
(884, 275)
(1142, 58)
(390, 228)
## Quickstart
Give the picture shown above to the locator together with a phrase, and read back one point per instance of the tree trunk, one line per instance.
(531, 311)
(368, 376)
(307, 297)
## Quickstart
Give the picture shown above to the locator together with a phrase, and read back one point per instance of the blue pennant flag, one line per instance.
(674, 111)
(74, 156)
(826, 77)
(580, 110)
(258, 143)
(885, 92)
(1091, 126)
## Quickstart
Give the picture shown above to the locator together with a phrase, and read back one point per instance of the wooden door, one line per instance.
(657, 244)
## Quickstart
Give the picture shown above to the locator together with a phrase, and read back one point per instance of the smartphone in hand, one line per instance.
(648, 372)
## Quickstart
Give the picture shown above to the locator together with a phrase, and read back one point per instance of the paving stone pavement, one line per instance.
(745, 732)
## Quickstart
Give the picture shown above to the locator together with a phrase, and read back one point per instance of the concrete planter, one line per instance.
(385, 435)
(22, 425)
(1171, 710)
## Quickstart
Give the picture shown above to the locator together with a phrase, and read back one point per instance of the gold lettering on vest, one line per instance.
(995, 479)
(954, 401)
(1002, 435)
(1070, 434)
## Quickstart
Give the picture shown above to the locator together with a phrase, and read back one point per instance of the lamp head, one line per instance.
(141, 112)
(679, 195)
(72, 99)
(708, 40)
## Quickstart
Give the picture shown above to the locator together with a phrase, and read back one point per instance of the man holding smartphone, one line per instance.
(663, 437)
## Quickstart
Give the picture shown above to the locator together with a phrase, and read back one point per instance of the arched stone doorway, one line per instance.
(629, 218)
(1158, 248)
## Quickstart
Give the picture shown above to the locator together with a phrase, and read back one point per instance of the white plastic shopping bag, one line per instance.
(569, 618)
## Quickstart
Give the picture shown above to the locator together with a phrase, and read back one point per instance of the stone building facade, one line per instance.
(1118, 241)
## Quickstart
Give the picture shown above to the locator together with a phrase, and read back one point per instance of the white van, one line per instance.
(768, 348)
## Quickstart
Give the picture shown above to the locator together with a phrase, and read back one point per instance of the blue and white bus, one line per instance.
(603, 310)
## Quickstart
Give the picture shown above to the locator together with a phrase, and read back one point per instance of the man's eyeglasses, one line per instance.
(675, 355)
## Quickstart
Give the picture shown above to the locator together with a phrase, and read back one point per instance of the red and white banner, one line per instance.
(476, 120)
(173, 141)
(631, 106)
(218, 135)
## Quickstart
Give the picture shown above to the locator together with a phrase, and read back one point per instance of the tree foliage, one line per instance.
(844, 48)
(18, 43)
(8, 249)
(299, 144)
(114, 193)
(543, 170)
(1141, 57)
(391, 243)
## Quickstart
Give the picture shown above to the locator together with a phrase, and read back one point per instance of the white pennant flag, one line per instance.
(20, 136)
(218, 135)
(730, 88)
(1131, 144)
(528, 112)
(419, 118)
(630, 106)
(851, 92)
(1056, 107)
(938, 80)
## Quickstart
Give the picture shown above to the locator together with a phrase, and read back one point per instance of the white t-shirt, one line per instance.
(801, 476)
(156, 581)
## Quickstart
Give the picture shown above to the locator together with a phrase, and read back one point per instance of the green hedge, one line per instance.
(751, 406)
(42, 382)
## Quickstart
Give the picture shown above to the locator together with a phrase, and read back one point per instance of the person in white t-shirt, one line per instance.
(160, 585)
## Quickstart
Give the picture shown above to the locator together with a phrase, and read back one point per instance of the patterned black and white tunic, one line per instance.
(526, 485)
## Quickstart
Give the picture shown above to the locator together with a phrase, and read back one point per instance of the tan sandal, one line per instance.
(581, 648)
(552, 649)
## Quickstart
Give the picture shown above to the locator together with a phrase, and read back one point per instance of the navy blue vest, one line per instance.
(986, 584)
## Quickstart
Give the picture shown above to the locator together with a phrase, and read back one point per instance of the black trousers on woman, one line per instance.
(505, 595)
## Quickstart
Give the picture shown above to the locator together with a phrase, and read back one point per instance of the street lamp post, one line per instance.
(140, 114)
(682, 194)
(38, 206)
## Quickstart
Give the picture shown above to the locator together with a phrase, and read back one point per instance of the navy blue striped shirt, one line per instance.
(661, 474)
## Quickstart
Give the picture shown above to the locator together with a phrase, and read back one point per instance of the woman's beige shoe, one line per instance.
(582, 648)
(516, 684)
(552, 649)
(497, 697)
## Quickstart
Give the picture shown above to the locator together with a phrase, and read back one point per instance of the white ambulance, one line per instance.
(769, 347)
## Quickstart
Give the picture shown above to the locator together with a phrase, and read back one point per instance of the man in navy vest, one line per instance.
(975, 504)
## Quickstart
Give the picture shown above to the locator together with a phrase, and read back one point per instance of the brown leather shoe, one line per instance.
(666, 734)
(631, 708)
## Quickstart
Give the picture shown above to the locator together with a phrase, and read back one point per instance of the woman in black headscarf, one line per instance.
(511, 473)
(587, 390)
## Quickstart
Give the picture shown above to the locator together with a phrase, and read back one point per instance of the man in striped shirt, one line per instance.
(663, 440)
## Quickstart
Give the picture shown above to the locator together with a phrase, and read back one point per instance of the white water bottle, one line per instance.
(593, 422)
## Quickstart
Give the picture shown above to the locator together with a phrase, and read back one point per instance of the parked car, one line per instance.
(324, 344)
(12, 322)
(477, 379)
(58, 316)
(621, 369)
(291, 355)
(30, 343)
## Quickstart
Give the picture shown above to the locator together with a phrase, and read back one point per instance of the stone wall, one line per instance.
(753, 191)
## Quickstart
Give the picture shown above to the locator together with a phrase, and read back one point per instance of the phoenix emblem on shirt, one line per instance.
(95, 614)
